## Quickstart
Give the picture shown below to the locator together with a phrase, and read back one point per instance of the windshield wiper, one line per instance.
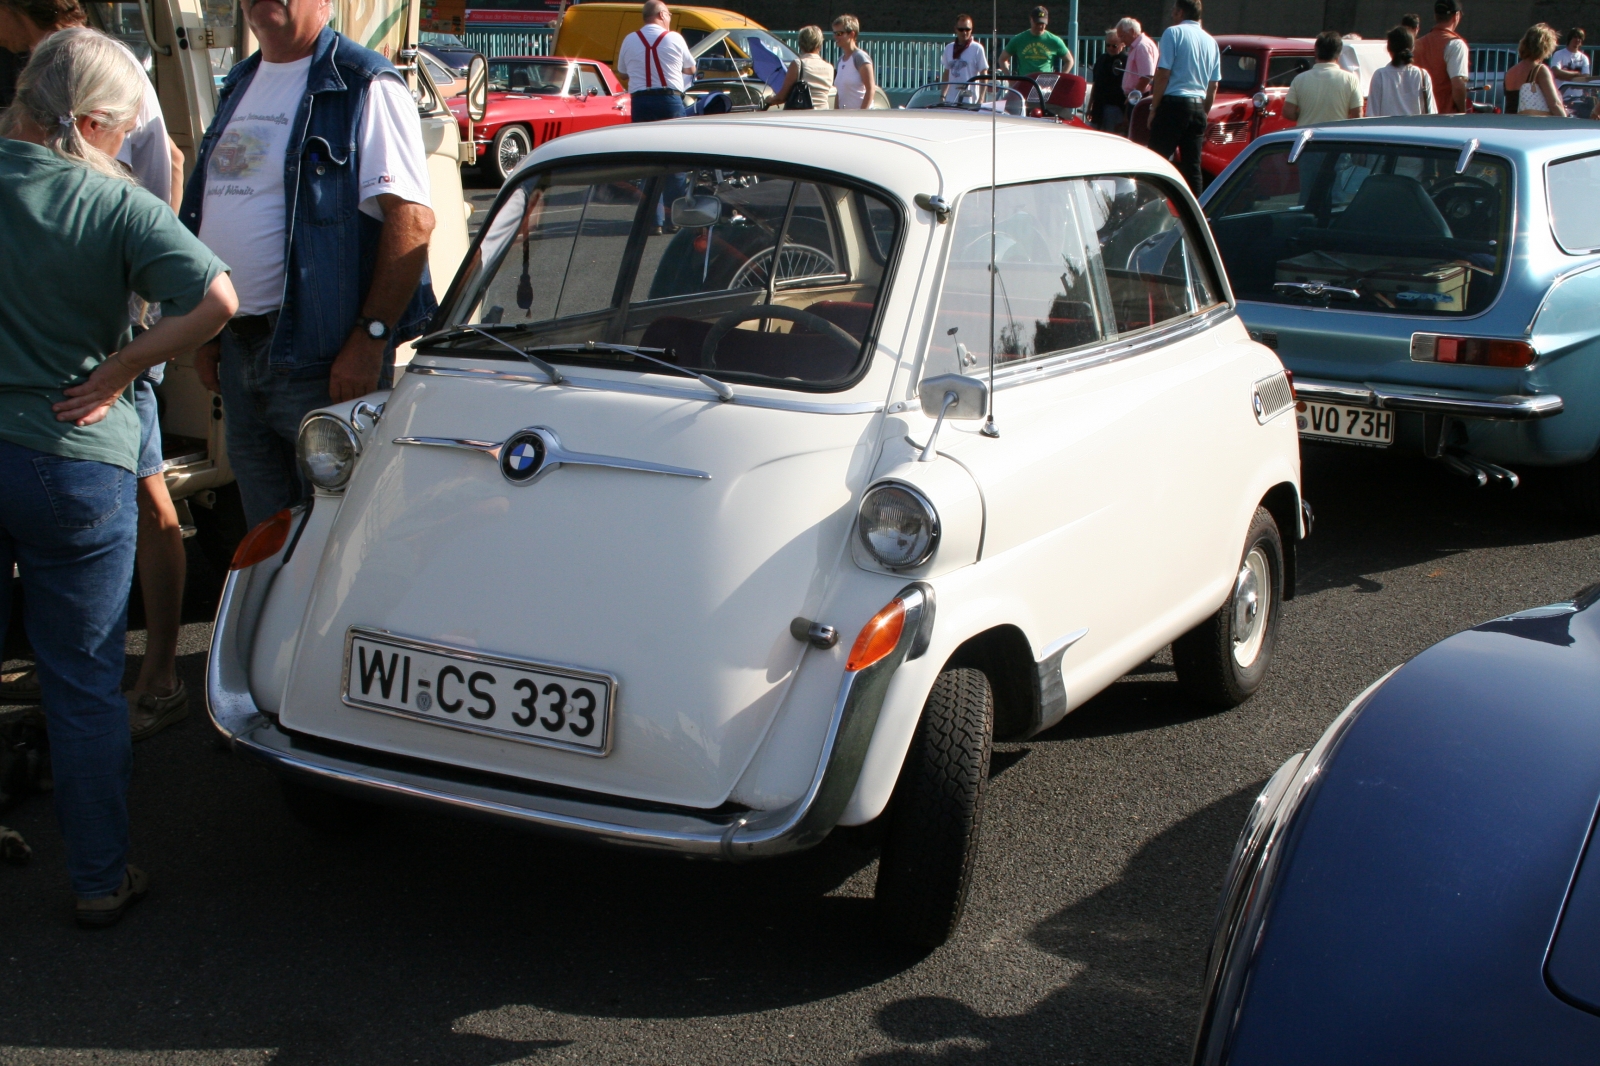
(461, 331)
(724, 393)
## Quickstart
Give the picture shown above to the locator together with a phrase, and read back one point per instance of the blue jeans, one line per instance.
(264, 408)
(654, 107)
(71, 528)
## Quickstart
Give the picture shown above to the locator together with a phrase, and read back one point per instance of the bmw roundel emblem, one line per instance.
(522, 456)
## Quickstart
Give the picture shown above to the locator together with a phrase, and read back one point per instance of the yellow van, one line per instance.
(718, 39)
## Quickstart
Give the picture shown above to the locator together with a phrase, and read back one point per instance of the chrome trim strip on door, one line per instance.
(771, 403)
(756, 834)
(1112, 351)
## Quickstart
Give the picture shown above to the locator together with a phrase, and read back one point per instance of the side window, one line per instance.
(1572, 213)
(1044, 294)
(1155, 270)
(1281, 70)
(590, 81)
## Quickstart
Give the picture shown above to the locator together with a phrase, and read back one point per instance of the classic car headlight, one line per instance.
(328, 449)
(898, 526)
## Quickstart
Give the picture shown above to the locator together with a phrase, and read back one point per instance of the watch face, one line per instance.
(376, 329)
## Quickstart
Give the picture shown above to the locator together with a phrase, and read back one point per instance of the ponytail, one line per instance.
(77, 73)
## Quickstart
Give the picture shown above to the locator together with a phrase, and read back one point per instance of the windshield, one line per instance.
(1013, 96)
(442, 40)
(1389, 228)
(1241, 72)
(537, 79)
(745, 274)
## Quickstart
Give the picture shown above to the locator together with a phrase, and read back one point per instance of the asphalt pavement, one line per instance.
(428, 940)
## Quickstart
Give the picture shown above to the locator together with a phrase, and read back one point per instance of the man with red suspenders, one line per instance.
(655, 66)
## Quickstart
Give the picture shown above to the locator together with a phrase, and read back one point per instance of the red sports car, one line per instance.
(533, 99)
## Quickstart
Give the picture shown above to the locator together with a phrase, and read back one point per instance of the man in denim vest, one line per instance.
(312, 183)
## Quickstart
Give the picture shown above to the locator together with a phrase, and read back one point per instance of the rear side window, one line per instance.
(1572, 203)
(1281, 70)
(1386, 228)
(1077, 262)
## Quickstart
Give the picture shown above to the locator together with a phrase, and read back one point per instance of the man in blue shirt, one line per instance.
(1185, 85)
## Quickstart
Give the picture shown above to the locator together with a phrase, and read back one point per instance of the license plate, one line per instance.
(1353, 425)
(556, 706)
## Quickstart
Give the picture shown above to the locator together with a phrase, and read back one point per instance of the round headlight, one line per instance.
(328, 448)
(898, 526)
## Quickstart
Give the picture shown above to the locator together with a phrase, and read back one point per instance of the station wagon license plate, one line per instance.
(1352, 425)
(533, 702)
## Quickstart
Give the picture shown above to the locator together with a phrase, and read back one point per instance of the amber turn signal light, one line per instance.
(262, 542)
(1473, 351)
(878, 637)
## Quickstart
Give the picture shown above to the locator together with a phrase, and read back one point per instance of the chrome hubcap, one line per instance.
(1251, 591)
(511, 153)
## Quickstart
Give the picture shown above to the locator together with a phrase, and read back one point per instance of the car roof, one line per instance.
(895, 149)
(1255, 40)
(1534, 139)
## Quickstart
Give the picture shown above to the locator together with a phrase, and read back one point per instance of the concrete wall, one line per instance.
(1489, 21)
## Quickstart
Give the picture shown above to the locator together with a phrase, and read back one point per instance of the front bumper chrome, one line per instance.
(1455, 402)
(745, 835)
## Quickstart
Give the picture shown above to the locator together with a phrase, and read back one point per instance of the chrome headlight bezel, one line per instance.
(339, 431)
(867, 520)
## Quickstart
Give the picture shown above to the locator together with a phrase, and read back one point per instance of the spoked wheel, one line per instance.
(931, 840)
(1223, 660)
(511, 145)
(795, 261)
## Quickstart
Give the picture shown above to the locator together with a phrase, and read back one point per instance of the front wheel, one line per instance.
(931, 840)
(1223, 660)
(511, 145)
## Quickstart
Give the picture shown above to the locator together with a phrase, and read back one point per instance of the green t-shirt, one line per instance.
(73, 245)
(1033, 53)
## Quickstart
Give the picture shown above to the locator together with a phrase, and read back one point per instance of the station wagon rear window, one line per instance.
(1387, 228)
(1573, 213)
(744, 274)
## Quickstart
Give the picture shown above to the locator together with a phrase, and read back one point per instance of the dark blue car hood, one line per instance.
(1427, 875)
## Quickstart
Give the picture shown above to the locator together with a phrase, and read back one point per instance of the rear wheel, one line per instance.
(1223, 660)
(511, 145)
(326, 812)
(931, 840)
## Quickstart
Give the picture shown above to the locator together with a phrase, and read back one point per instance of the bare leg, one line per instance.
(161, 573)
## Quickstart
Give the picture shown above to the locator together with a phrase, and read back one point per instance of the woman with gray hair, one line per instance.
(810, 70)
(79, 237)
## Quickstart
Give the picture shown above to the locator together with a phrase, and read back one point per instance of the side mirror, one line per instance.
(1134, 96)
(696, 212)
(950, 396)
(1260, 100)
(477, 88)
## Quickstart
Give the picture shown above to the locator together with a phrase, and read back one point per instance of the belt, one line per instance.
(250, 328)
(654, 92)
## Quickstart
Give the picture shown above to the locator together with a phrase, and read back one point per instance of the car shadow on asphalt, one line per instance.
(372, 948)
(1377, 513)
(1138, 968)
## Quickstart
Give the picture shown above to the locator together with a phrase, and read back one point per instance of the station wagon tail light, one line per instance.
(878, 637)
(1473, 351)
(264, 541)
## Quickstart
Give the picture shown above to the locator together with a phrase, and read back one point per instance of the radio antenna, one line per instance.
(989, 428)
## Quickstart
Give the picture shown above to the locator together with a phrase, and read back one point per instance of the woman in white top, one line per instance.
(854, 75)
(1402, 87)
(810, 69)
(1531, 80)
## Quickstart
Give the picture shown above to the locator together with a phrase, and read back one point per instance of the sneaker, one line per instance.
(20, 687)
(149, 714)
(108, 910)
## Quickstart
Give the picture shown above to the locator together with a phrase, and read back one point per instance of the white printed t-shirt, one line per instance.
(968, 65)
(245, 212)
(1566, 59)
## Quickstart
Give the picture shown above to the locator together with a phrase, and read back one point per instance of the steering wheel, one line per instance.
(1466, 200)
(815, 323)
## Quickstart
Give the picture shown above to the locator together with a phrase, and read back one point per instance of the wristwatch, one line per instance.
(376, 328)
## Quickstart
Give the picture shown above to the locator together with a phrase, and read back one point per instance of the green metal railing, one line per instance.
(508, 41)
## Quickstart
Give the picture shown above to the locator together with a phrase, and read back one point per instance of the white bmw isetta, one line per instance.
(703, 522)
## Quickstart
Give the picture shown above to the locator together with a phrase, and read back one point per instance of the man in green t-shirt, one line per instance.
(1036, 50)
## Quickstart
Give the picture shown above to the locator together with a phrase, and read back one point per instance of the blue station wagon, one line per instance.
(1431, 283)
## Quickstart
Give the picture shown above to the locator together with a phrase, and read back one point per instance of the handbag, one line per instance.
(799, 98)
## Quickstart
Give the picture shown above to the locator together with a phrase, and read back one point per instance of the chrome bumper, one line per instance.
(1429, 401)
(748, 835)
